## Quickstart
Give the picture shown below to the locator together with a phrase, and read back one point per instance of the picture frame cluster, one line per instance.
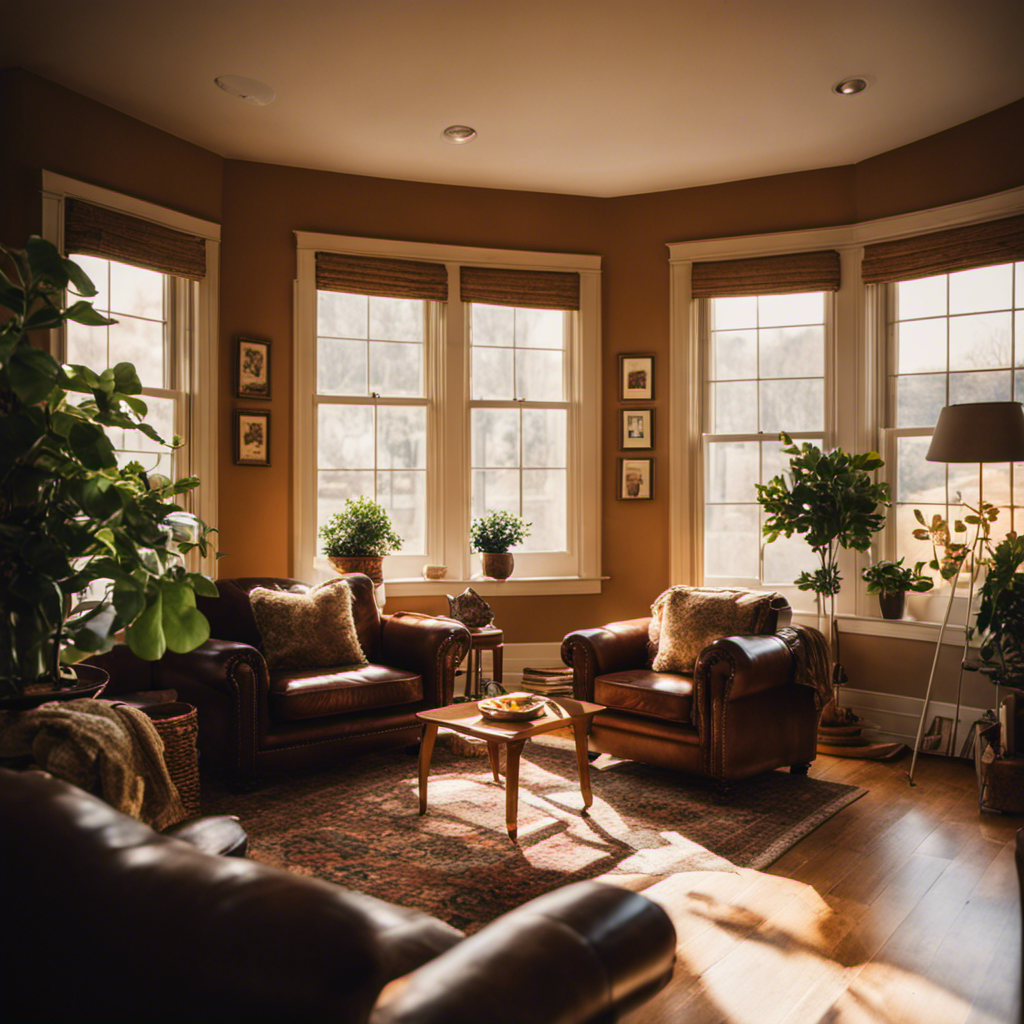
(252, 380)
(635, 480)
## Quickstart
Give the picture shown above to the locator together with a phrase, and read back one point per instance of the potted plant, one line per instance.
(492, 534)
(357, 538)
(1001, 614)
(832, 500)
(70, 516)
(891, 581)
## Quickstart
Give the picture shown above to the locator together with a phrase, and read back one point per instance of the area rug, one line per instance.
(358, 825)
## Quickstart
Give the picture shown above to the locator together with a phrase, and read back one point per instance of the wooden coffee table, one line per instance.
(466, 718)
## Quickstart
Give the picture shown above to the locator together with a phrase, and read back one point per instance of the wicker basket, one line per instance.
(178, 726)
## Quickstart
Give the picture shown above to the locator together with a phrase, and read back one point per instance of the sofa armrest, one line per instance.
(595, 652)
(431, 647)
(226, 666)
(584, 953)
(740, 666)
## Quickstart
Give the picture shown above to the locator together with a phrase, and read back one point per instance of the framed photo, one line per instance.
(636, 376)
(252, 438)
(252, 368)
(636, 479)
(636, 429)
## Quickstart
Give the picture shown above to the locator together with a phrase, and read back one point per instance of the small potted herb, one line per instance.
(891, 581)
(357, 538)
(492, 535)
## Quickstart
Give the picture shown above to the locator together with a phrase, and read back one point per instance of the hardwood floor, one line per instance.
(902, 908)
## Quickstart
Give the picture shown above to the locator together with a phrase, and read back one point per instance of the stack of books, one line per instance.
(551, 682)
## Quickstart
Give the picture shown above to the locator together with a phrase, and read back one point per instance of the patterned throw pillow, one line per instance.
(311, 630)
(686, 619)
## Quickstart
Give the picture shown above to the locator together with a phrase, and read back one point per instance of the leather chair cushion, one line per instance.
(316, 693)
(646, 692)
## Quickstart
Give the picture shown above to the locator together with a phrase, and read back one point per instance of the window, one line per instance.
(952, 338)
(477, 392)
(765, 371)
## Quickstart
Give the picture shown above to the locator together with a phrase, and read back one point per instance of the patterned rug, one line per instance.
(358, 825)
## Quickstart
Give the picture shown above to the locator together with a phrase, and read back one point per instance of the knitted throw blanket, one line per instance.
(812, 661)
(105, 748)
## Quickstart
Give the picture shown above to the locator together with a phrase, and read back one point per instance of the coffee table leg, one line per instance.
(512, 752)
(426, 750)
(582, 761)
(492, 749)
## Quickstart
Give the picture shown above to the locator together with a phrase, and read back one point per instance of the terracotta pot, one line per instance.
(892, 604)
(498, 565)
(372, 565)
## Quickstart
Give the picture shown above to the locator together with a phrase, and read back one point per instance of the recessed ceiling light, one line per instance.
(247, 89)
(850, 86)
(458, 134)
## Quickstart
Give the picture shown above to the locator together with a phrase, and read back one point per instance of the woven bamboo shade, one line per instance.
(98, 231)
(767, 275)
(538, 289)
(944, 252)
(374, 275)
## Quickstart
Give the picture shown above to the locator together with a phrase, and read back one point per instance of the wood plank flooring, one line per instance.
(901, 909)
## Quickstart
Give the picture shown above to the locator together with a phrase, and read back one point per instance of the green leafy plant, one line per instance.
(362, 527)
(495, 532)
(69, 515)
(953, 552)
(1001, 613)
(888, 577)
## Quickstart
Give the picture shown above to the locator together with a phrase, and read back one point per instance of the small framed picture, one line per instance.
(636, 479)
(252, 368)
(252, 438)
(637, 428)
(636, 376)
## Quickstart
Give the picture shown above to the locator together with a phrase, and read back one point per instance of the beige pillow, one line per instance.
(686, 619)
(311, 630)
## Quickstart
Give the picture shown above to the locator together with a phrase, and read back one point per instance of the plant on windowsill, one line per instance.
(492, 534)
(892, 581)
(357, 538)
(70, 516)
(832, 500)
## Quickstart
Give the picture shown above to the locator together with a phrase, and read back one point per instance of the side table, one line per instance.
(483, 638)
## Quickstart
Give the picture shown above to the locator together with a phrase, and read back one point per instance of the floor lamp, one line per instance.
(977, 432)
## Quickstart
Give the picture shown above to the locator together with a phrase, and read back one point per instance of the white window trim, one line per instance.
(450, 368)
(202, 359)
(860, 366)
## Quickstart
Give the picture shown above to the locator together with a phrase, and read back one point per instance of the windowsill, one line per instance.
(515, 586)
(893, 629)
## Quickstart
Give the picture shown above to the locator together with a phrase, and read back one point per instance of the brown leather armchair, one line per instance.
(150, 927)
(251, 719)
(739, 714)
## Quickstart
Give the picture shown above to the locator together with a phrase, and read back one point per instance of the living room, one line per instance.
(953, 165)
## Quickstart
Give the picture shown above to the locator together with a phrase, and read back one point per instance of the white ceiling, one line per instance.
(594, 97)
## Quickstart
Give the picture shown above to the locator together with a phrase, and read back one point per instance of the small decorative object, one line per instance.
(435, 572)
(891, 581)
(492, 535)
(470, 609)
(252, 377)
(637, 428)
(636, 376)
(357, 538)
(252, 438)
(636, 479)
(513, 707)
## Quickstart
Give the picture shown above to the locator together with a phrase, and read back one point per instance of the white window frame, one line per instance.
(448, 460)
(195, 322)
(859, 363)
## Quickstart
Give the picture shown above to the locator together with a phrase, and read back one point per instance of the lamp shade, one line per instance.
(979, 432)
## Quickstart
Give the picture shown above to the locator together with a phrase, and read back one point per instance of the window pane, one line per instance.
(151, 462)
(539, 328)
(973, 291)
(544, 438)
(924, 297)
(342, 315)
(921, 346)
(341, 367)
(775, 462)
(792, 405)
(1018, 274)
(734, 408)
(495, 489)
(539, 375)
(345, 437)
(404, 495)
(920, 399)
(492, 374)
(544, 506)
(786, 558)
(788, 310)
(734, 314)
(140, 342)
(396, 319)
(979, 341)
(495, 438)
(732, 539)
(87, 345)
(915, 550)
(334, 488)
(731, 471)
(493, 325)
(990, 386)
(396, 369)
(136, 291)
(916, 478)
(160, 416)
(98, 270)
(401, 437)
(793, 352)
(733, 355)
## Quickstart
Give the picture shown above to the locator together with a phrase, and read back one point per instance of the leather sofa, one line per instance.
(739, 714)
(106, 919)
(251, 720)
